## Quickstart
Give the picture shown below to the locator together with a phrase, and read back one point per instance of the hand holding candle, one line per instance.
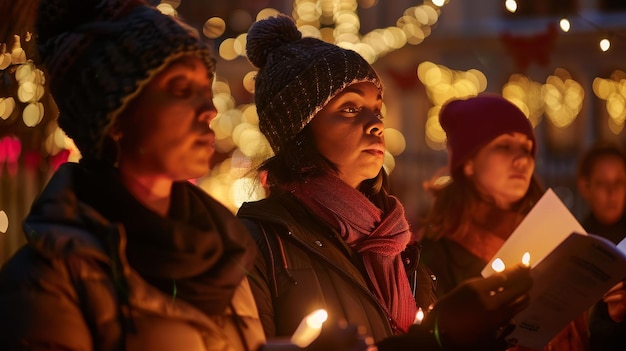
(313, 335)
(478, 308)
(419, 316)
(499, 266)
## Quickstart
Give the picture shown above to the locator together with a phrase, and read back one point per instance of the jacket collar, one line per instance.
(59, 222)
(303, 227)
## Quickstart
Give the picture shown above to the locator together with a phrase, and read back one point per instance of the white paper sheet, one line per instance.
(568, 281)
(571, 270)
(547, 224)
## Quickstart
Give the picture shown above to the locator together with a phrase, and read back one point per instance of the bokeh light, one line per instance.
(613, 91)
(240, 21)
(525, 94)
(443, 84)
(337, 21)
(564, 24)
(605, 44)
(395, 142)
(214, 27)
(4, 222)
(562, 97)
(510, 5)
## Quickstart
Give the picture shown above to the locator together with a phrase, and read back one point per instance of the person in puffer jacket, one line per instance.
(123, 253)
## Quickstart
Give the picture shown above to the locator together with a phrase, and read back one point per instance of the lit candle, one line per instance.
(498, 265)
(526, 259)
(419, 316)
(309, 329)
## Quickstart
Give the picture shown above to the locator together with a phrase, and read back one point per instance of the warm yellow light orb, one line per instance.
(564, 24)
(214, 27)
(511, 5)
(605, 44)
(4, 222)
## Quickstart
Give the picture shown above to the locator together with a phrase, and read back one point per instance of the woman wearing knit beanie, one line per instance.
(123, 252)
(491, 163)
(330, 235)
(491, 160)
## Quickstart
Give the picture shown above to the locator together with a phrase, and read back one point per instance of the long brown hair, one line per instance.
(451, 206)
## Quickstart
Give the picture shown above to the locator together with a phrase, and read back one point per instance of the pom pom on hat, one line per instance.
(265, 39)
(470, 124)
(297, 76)
(99, 54)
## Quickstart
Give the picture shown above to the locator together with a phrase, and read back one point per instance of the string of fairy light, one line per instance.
(335, 21)
(566, 25)
(30, 80)
(559, 98)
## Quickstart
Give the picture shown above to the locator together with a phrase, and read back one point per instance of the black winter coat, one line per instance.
(304, 265)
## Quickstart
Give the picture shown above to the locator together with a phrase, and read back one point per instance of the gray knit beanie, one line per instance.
(297, 76)
(100, 54)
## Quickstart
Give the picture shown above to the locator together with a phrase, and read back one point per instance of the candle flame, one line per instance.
(526, 259)
(317, 318)
(497, 265)
(419, 316)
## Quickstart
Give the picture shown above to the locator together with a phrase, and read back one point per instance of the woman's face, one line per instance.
(165, 131)
(605, 189)
(348, 132)
(502, 169)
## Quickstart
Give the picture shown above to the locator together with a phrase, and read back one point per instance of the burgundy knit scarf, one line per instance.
(377, 236)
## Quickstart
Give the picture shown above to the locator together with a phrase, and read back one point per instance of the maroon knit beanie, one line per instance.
(470, 124)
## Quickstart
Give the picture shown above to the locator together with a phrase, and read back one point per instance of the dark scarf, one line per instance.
(199, 253)
(615, 232)
(377, 236)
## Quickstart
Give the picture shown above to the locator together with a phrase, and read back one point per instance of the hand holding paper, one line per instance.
(547, 224)
(571, 270)
(476, 311)
(615, 299)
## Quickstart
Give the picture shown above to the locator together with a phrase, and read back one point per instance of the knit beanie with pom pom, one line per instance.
(99, 55)
(297, 76)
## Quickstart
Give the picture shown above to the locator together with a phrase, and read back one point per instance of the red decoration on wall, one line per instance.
(10, 150)
(528, 49)
(405, 78)
(32, 160)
